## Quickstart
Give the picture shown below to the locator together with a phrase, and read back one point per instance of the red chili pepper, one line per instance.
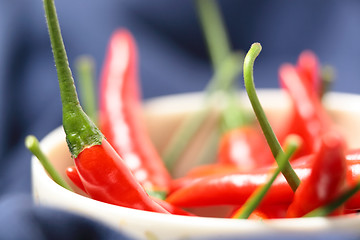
(103, 173)
(201, 171)
(245, 147)
(106, 178)
(73, 175)
(327, 178)
(310, 118)
(353, 176)
(235, 188)
(231, 188)
(308, 68)
(121, 116)
(211, 169)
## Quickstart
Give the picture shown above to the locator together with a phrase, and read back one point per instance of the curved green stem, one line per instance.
(272, 140)
(255, 199)
(33, 145)
(80, 131)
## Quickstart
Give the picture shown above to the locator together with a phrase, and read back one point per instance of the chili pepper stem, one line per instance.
(214, 30)
(184, 133)
(233, 115)
(85, 66)
(272, 140)
(327, 79)
(293, 143)
(225, 74)
(32, 143)
(226, 69)
(80, 131)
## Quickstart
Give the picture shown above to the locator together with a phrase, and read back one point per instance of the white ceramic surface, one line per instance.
(162, 114)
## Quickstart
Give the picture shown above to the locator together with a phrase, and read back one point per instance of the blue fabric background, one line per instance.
(173, 59)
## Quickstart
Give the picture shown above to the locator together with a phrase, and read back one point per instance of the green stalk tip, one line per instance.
(32, 143)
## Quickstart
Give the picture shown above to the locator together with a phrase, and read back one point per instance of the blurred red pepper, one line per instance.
(121, 118)
(202, 171)
(234, 188)
(353, 176)
(310, 119)
(242, 142)
(308, 68)
(210, 169)
(327, 178)
(245, 147)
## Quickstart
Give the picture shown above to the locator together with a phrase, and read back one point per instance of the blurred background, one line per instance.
(173, 56)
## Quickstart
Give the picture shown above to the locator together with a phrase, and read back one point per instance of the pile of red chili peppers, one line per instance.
(323, 163)
(118, 164)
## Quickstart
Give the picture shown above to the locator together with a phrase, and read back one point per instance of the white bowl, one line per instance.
(162, 115)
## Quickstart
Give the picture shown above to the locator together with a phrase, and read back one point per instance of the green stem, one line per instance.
(225, 74)
(33, 145)
(214, 31)
(226, 69)
(85, 66)
(327, 79)
(80, 131)
(233, 115)
(273, 142)
(255, 199)
(208, 152)
(185, 132)
(331, 207)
